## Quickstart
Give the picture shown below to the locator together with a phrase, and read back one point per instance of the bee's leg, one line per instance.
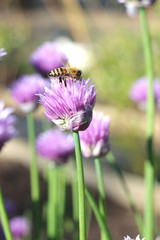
(65, 83)
(60, 80)
(72, 79)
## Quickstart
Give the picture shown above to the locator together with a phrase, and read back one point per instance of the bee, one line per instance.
(63, 72)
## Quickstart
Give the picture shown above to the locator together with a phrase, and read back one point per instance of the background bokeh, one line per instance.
(101, 40)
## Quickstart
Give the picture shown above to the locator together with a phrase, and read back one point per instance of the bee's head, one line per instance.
(79, 73)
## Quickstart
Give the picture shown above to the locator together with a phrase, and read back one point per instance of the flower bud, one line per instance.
(95, 139)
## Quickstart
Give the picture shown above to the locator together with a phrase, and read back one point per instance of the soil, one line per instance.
(14, 180)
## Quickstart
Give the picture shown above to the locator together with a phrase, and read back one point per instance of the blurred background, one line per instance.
(100, 39)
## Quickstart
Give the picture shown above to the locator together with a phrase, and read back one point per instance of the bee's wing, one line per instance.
(65, 64)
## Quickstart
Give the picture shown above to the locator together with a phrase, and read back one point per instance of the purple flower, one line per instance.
(55, 145)
(95, 139)
(24, 91)
(138, 92)
(47, 57)
(20, 227)
(2, 53)
(132, 6)
(2, 236)
(10, 207)
(69, 107)
(137, 238)
(7, 121)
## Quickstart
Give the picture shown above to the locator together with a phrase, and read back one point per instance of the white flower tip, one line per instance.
(107, 118)
(138, 237)
(28, 107)
(132, 9)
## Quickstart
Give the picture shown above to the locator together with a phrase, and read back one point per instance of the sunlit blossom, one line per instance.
(132, 6)
(138, 92)
(24, 91)
(48, 56)
(20, 227)
(137, 238)
(95, 139)
(55, 145)
(70, 106)
(7, 124)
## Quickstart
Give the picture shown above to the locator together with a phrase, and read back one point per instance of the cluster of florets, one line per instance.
(139, 92)
(55, 146)
(137, 238)
(7, 122)
(19, 225)
(132, 6)
(95, 139)
(69, 106)
(24, 91)
(48, 56)
(7, 119)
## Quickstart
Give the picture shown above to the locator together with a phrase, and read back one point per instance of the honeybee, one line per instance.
(64, 72)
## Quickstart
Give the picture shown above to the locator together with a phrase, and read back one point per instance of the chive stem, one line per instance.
(81, 187)
(4, 219)
(34, 177)
(149, 171)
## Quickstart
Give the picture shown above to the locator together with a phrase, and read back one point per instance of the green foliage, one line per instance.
(122, 62)
(13, 36)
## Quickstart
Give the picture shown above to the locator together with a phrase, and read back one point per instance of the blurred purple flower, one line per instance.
(7, 121)
(2, 53)
(70, 107)
(10, 207)
(95, 139)
(138, 92)
(132, 6)
(47, 57)
(24, 91)
(2, 237)
(20, 227)
(55, 145)
(137, 238)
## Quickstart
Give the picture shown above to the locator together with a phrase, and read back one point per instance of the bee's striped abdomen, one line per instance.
(55, 72)
(51, 73)
(58, 72)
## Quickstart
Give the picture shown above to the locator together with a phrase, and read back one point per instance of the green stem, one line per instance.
(4, 219)
(75, 201)
(61, 200)
(52, 210)
(98, 216)
(34, 178)
(102, 200)
(149, 163)
(75, 194)
(137, 215)
(62, 197)
(88, 216)
(81, 187)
